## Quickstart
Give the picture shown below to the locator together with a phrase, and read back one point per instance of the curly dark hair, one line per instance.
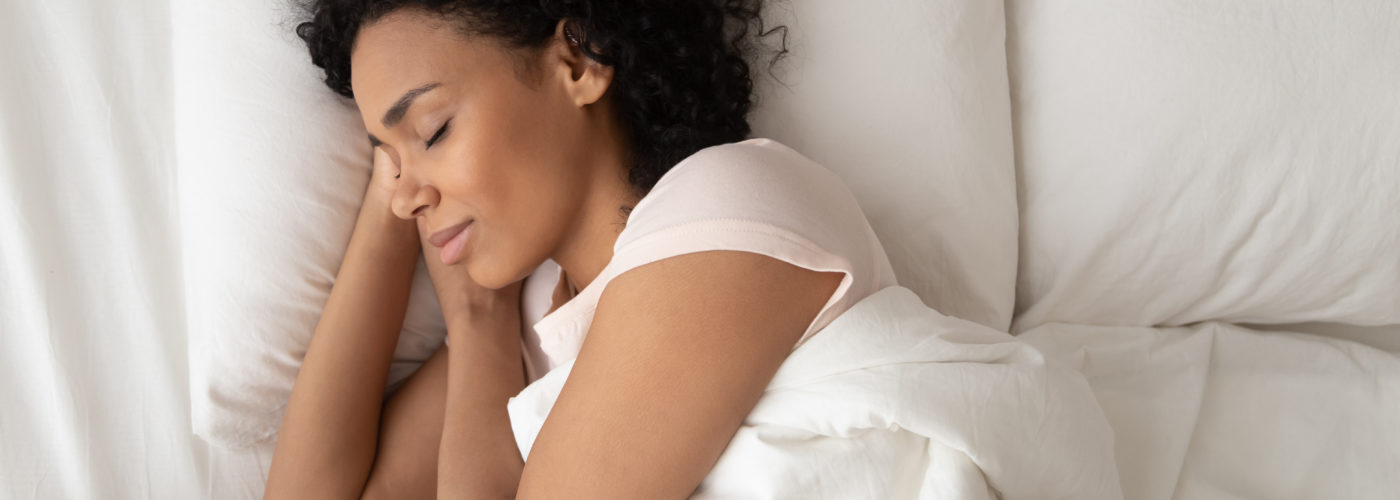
(681, 82)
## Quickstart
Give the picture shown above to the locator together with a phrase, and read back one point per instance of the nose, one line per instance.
(413, 197)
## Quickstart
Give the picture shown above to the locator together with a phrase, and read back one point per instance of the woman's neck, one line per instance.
(589, 246)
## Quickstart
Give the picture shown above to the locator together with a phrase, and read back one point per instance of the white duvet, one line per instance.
(1219, 411)
(895, 400)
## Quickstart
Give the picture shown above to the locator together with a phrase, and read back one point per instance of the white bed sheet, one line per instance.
(94, 397)
(1221, 411)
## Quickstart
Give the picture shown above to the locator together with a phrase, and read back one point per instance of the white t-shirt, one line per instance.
(754, 196)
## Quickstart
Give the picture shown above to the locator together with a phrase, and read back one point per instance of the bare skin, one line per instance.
(678, 353)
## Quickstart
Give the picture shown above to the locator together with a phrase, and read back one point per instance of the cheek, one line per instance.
(524, 222)
(520, 173)
(538, 203)
(522, 195)
(532, 163)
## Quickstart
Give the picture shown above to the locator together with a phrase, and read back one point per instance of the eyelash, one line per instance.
(438, 135)
(432, 140)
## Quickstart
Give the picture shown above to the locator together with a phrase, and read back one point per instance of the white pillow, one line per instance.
(272, 167)
(1186, 160)
(907, 100)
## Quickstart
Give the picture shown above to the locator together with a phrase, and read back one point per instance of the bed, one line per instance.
(1227, 286)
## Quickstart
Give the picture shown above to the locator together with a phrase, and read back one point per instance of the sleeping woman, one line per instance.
(604, 143)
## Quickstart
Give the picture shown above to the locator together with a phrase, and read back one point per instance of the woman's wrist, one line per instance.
(472, 307)
(488, 345)
(481, 317)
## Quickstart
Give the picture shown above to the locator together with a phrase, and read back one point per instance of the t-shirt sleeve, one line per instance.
(761, 197)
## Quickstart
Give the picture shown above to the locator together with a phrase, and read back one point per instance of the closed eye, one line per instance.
(438, 135)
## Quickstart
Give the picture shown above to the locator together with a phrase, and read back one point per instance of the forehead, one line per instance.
(404, 50)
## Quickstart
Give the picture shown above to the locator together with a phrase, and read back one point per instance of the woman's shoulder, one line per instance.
(759, 197)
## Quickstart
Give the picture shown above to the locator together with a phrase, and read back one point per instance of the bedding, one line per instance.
(895, 400)
(1384, 337)
(93, 361)
(1187, 160)
(1221, 411)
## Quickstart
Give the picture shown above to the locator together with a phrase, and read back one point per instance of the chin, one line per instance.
(493, 274)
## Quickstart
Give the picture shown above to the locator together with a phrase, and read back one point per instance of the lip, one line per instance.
(441, 238)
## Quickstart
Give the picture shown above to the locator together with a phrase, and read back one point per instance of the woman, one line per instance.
(599, 135)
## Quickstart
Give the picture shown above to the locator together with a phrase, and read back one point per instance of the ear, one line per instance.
(585, 80)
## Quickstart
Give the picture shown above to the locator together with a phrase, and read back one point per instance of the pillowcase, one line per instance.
(907, 101)
(272, 167)
(1188, 160)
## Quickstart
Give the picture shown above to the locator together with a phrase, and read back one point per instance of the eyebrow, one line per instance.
(400, 108)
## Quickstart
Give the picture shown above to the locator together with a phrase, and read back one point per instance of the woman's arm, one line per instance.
(329, 431)
(487, 366)
(477, 457)
(678, 354)
(410, 430)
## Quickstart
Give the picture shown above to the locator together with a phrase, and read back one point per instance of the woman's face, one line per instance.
(482, 135)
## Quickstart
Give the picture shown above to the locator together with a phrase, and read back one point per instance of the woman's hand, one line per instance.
(384, 176)
(377, 217)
